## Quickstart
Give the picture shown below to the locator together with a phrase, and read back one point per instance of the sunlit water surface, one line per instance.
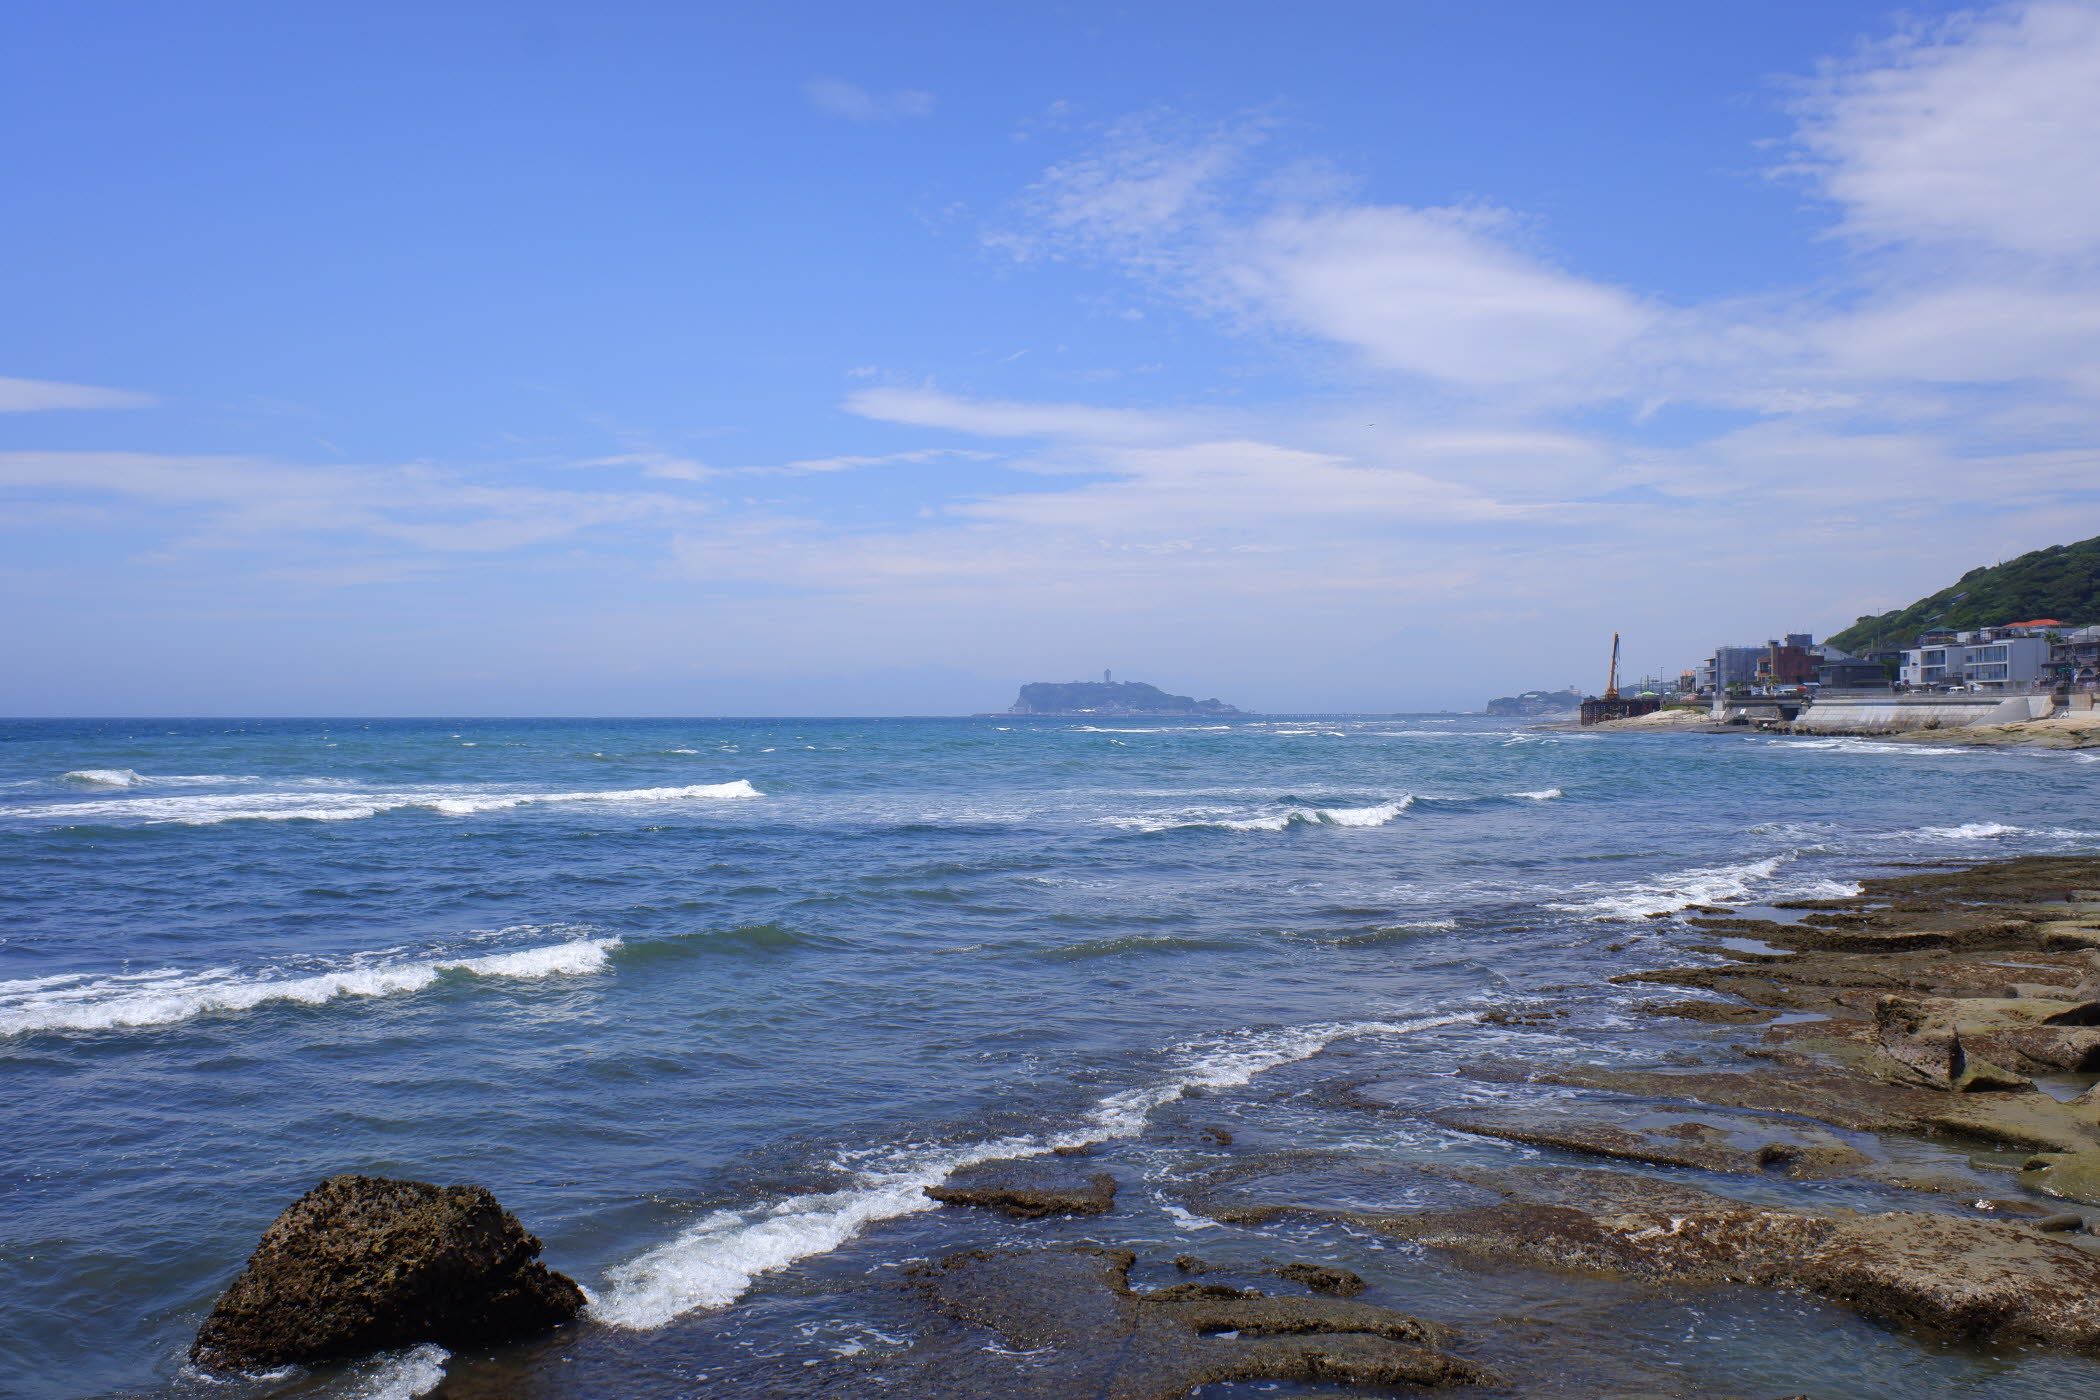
(707, 1002)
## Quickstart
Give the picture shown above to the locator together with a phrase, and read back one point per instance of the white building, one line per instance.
(1973, 663)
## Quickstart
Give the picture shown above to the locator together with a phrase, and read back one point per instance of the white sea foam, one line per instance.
(126, 777)
(1867, 746)
(207, 810)
(1970, 831)
(82, 1002)
(1542, 795)
(713, 1261)
(403, 1375)
(1717, 884)
(1376, 815)
(1985, 831)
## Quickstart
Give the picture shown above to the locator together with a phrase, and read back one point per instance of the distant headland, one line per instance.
(1112, 697)
(1537, 704)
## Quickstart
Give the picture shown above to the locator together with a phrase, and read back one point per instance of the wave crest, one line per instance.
(1714, 884)
(1378, 814)
(84, 1002)
(713, 1261)
(346, 806)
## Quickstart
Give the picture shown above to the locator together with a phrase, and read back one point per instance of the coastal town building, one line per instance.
(1791, 662)
(2074, 656)
(2032, 655)
(1850, 673)
(1989, 658)
(1728, 668)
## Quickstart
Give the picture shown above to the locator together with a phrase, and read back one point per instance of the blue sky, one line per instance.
(675, 359)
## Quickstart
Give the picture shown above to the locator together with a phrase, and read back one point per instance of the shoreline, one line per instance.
(1876, 1111)
(1884, 1103)
(2078, 731)
(1958, 1006)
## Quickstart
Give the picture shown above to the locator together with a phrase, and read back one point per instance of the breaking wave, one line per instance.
(345, 806)
(1969, 831)
(102, 777)
(1843, 745)
(84, 1002)
(1376, 815)
(1715, 884)
(1985, 831)
(713, 1261)
(404, 1375)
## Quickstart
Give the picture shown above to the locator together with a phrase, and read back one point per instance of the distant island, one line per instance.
(1106, 697)
(1535, 704)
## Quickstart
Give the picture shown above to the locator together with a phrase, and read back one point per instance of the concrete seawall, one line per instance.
(1888, 714)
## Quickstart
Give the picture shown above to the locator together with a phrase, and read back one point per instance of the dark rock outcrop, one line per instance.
(1943, 1041)
(1089, 1334)
(1028, 1188)
(1982, 1279)
(2028, 1120)
(1795, 1152)
(2073, 1176)
(1719, 1012)
(1324, 1278)
(1320, 1278)
(362, 1264)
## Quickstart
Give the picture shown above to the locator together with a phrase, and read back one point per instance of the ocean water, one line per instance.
(708, 1002)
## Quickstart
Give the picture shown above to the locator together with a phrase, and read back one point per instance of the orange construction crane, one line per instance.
(1611, 691)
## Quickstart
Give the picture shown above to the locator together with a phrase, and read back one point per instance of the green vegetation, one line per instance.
(1535, 702)
(2062, 581)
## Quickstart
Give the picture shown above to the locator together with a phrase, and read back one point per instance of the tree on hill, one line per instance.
(2061, 582)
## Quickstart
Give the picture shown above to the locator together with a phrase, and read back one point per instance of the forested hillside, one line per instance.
(2062, 581)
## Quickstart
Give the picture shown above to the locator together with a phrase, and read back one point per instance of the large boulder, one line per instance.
(362, 1264)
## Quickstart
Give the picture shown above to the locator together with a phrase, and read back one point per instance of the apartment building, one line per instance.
(1990, 658)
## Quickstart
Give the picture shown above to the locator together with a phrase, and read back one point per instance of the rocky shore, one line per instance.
(1879, 1112)
(1955, 1009)
(2075, 731)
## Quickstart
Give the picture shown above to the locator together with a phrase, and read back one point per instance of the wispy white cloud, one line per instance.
(852, 101)
(814, 466)
(1963, 158)
(1487, 424)
(1441, 293)
(670, 467)
(258, 504)
(42, 395)
(1450, 294)
(928, 408)
(667, 466)
(1975, 129)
